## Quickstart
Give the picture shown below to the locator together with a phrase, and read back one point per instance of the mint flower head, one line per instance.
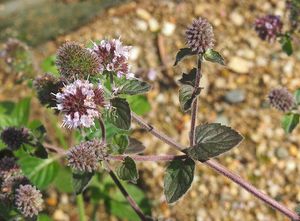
(85, 156)
(200, 35)
(14, 137)
(268, 27)
(113, 56)
(79, 103)
(28, 200)
(281, 99)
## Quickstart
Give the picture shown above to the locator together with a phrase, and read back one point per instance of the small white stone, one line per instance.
(141, 25)
(237, 18)
(153, 25)
(240, 65)
(168, 28)
(288, 67)
(134, 53)
(142, 13)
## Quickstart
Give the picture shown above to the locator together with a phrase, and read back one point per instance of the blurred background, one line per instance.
(234, 95)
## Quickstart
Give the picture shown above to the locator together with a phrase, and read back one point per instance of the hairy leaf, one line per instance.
(182, 53)
(286, 44)
(289, 122)
(189, 78)
(213, 140)
(178, 179)
(187, 96)
(81, 180)
(41, 172)
(214, 56)
(127, 170)
(135, 86)
(135, 146)
(120, 143)
(139, 104)
(120, 115)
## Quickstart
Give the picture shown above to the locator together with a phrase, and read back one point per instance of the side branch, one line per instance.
(223, 171)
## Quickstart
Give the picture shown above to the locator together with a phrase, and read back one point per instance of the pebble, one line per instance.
(153, 25)
(237, 18)
(142, 13)
(222, 120)
(141, 25)
(240, 65)
(235, 96)
(168, 28)
(134, 53)
(59, 215)
(281, 153)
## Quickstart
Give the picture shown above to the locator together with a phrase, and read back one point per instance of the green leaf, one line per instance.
(214, 56)
(213, 140)
(189, 78)
(41, 172)
(120, 115)
(297, 96)
(139, 104)
(80, 181)
(182, 53)
(43, 217)
(127, 170)
(48, 65)
(289, 122)
(178, 179)
(187, 96)
(21, 112)
(63, 180)
(135, 86)
(120, 143)
(286, 44)
(135, 146)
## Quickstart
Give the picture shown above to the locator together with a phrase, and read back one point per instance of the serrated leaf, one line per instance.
(80, 181)
(182, 53)
(189, 78)
(135, 146)
(127, 170)
(286, 44)
(120, 115)
(297, 96)
(214, 56)
(187, 96)
(41, 172)
(289, 122)
(178, 179)
(213, 140)
(120, 143)
(135, 86)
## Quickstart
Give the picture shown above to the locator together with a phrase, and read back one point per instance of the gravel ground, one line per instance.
(234, 95)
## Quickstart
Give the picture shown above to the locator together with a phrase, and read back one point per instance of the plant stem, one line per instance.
(103, 133)
(194, 107)
(221, 170)
(80, 206)
(131, 201)
(152, 158)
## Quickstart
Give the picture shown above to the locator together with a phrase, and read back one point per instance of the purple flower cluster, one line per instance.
(113, 57)
(268, 27)
(79, 102)
(281, 99)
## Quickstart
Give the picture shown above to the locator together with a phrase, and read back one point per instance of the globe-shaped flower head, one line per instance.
(113, 56)
(268, 27)
(200, 35)
(281, 99)
(79, 103)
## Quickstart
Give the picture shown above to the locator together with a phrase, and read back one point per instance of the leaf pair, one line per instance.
(211, 141)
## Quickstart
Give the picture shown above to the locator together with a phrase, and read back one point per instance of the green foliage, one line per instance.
(21, 112)
(213, 140)
(48, 65)
(119, 115)
(183, 53)
(139, 104)
(135, 146)
(187, 94)
(43, 217)
(63, 180)
(127, 170)
(214, 56)
(189, 79)
(41, 172)
(289, 122)
(120, 143)
(133, 87)
(178, 179)
(80, 181)
(297, 96)
(286, 44)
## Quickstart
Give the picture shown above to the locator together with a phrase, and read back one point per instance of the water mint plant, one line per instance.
(92, 96)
